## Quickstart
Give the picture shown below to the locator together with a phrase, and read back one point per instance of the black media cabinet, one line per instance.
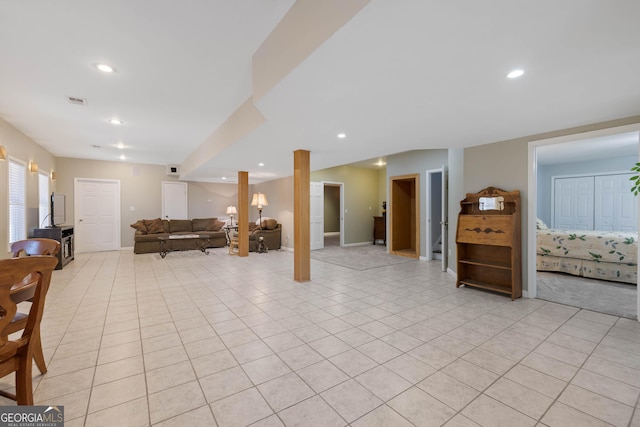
(64, 235)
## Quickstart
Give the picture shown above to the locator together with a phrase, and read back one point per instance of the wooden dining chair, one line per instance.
(23, 291)
(39, 246)
(17, 355)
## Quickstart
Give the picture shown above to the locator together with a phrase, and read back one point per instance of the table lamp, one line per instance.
(231, 210)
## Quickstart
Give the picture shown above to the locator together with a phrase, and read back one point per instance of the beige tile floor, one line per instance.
(195, 340)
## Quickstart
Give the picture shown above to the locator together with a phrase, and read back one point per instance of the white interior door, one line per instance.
(437, 224)
(97, 215)
(174, 200)
(316, 214)
(615, 206)
(573, 200)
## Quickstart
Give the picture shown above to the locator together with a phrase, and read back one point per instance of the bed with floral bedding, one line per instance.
(602, 255)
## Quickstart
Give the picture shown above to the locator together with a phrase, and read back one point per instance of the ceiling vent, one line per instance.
(173, 170)
(77, 101)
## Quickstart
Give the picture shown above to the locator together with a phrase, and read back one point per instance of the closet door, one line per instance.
(615, 206)
(573, 203)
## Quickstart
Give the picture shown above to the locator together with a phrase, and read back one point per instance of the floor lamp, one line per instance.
(259, 200)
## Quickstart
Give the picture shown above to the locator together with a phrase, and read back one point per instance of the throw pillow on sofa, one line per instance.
(154, 226)
(269, 224)
(140, 226)
(216, 225)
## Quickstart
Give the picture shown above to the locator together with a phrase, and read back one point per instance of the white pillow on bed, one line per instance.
(540, 225)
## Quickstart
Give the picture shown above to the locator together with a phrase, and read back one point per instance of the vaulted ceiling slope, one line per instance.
(220, 86)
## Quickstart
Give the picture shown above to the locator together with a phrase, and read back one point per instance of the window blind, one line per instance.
(17, 199)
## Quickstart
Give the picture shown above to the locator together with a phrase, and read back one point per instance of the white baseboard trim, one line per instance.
(331, 233)
(452, 273)
(525, 294)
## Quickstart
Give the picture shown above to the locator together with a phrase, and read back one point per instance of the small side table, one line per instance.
(227, 230)
(379, 229)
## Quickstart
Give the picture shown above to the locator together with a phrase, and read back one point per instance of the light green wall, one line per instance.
(21, 148)
(361, 199)
(331, 208)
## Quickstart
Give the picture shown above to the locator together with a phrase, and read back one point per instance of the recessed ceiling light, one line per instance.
(122, 157)
(224, 178)
(515, 74)
(342, 135)
(260, 164)
(116, 121)
(105, 68)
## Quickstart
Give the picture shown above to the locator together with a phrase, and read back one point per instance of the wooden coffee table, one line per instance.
(166, 246)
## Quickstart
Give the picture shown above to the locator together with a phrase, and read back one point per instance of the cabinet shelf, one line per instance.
(505, 266)
(487, 286)
(488, 243)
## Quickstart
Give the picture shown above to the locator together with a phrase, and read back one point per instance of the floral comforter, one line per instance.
(595, 254)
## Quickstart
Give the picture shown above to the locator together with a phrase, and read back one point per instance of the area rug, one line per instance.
(618, 299)
(359, 257)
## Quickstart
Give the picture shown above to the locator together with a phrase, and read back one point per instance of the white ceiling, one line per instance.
(398, 76)
(620, 145)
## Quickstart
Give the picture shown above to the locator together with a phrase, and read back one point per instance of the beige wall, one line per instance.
(141, 189)
(280, 197)
(21, 148)
(207, 199)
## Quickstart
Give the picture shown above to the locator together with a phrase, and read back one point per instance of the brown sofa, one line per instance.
(271, 233)
(148, 231)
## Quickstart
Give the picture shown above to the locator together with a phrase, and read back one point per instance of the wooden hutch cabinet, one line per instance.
(488, 241)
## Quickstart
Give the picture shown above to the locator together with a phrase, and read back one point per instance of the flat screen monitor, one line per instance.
(58, 209)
